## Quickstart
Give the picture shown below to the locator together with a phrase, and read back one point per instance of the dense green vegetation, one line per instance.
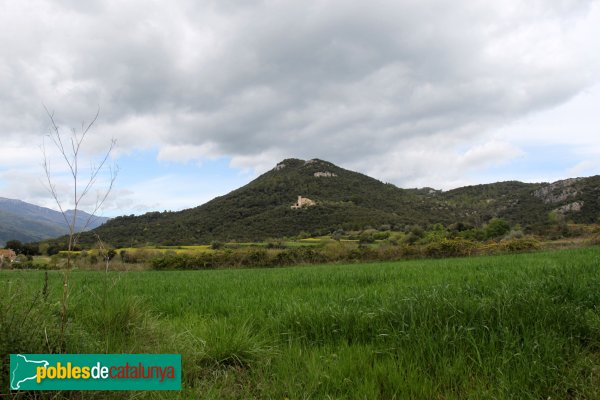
(456, 240)
(523, 326)
(341, 247)
(349, 201)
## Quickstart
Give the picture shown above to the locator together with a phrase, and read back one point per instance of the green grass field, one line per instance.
(519, 326)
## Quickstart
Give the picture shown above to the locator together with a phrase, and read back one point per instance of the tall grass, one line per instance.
(521, 326)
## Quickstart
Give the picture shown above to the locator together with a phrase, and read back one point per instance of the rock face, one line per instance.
(558, 191)
(325, 174)
(571, 207)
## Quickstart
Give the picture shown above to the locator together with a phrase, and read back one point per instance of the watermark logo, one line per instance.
(23, 370)
(95, 372)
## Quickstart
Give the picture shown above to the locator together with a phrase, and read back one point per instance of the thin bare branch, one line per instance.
(72, 161)
(72, 157)
(50, 186)
(99, 202)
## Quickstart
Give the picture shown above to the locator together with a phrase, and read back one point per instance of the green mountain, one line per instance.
(342, 199)
(28, 223)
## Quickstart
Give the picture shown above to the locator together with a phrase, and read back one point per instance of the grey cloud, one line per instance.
(339, 80)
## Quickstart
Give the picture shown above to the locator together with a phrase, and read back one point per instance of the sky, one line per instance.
(204, 96)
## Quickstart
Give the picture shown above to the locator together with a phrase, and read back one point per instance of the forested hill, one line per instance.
(27, 222)
(348, 200)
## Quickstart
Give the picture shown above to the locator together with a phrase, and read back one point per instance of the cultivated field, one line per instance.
(522, 326)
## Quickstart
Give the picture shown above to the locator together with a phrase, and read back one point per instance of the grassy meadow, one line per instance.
(514, 326)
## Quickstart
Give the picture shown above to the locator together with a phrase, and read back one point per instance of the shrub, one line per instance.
(595, 240)
(411, 238)
(497, 227)
(366, 237)
(473, 234)
(514, 234)
(337, 235)
(362, 253)
(381, 235)
(450, 248)
(216, 245)
(521, 244)
(335, 251)
(275, 244)
(256, 258)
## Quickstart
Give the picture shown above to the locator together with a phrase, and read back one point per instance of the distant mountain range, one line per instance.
(29, 223)
(338, 198)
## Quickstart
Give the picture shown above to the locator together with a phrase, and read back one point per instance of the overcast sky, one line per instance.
(202, 96)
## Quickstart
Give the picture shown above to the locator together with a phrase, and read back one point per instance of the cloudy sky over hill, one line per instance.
(204, 95)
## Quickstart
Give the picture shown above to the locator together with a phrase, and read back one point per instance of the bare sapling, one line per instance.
(82, 181)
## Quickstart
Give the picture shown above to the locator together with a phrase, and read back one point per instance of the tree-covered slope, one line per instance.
(347, 200)
(262, 208)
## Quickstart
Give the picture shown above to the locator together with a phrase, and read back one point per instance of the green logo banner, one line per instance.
(95, 372)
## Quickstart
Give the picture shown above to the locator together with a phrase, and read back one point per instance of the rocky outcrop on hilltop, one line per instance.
(558, 192)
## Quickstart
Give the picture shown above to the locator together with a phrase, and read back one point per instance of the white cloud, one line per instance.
(585, 168)
(431, 163)
(493, 152)
(184, 153)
